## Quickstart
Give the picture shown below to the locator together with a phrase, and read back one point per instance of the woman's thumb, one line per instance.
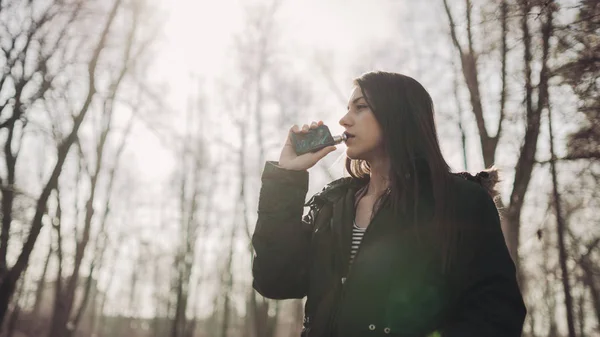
(325, 151)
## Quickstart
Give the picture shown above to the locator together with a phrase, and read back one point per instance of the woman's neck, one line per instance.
(380, 180)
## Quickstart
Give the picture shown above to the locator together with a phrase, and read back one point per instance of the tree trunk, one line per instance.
(463, 136)
(7, 202)
(590, 282)
(272, 321)
(227, 279)
(39, 292)
(11, 325)
(192, 164)
(83, 305)
(98, 321)
(548, 289)
(581, 314)
(531, 315)
(57, 226)
(561, 227)
(179, 320)
(526, 159)
(468, 60)
(298, 318)
(12, 322)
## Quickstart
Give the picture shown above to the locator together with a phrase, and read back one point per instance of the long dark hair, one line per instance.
(418, 171)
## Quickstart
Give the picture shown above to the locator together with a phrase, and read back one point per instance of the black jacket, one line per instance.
(395, 286)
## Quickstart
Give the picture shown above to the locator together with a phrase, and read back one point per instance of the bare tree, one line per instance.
(256, 48)
(57, 226)
(41, 284)
(561, 228)
(579, 46)
(98, 326)
(581, 314)
(26, 54)
(23, 64)
(468, 56)
(548, 293)
(65, 303)
(193, 185)
(227, 281)
(461, 129)
(101, 238)
(263, 27)
(9, 280)
(581, 72)
(9, 328)
(590, 272)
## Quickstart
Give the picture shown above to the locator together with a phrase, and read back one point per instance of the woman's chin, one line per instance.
(352, 154)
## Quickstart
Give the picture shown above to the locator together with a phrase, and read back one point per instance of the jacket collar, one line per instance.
(336, 189)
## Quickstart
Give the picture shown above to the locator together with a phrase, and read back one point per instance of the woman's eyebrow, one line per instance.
(354, 101)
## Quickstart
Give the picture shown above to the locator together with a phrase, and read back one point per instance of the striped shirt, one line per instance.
(358, 232)
(357, 235)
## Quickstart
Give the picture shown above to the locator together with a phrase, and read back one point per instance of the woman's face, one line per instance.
(365, 139)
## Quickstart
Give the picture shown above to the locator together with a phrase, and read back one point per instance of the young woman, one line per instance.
(402, 247)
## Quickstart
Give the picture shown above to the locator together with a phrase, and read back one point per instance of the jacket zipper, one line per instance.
(344, 280)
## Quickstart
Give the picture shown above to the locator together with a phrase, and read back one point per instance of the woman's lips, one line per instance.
(349, 138)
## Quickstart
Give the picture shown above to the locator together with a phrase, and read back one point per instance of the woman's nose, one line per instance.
(345, 120)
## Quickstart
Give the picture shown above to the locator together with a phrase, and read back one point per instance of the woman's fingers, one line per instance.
(323, 152)
(293, 129)
(305, 128)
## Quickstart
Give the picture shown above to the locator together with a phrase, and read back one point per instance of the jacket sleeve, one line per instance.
(281, 238)
(489, 302)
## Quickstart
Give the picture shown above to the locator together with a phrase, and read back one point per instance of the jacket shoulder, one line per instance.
(487, 180)
(333, 191)
(474, 196)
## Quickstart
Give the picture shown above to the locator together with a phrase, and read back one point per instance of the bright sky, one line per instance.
(199, 34)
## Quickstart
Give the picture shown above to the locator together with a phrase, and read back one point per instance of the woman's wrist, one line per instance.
(288, 168)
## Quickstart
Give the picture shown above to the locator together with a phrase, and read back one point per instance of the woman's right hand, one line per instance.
(291, 161)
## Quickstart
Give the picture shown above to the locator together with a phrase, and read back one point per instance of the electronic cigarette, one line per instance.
(315, 139)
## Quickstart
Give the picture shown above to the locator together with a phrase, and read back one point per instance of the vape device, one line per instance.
(315, 139)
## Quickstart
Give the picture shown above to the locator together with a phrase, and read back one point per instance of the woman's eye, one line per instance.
(360, 107)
